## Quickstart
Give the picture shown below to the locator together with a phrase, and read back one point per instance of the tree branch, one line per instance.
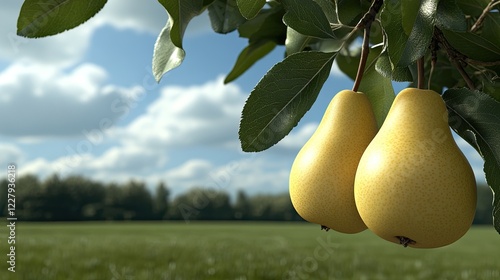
(456, 57)
(483, 15)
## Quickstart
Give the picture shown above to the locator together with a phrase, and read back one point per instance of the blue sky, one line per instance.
(85, 102)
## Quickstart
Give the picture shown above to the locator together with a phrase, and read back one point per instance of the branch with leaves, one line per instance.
(399, 38)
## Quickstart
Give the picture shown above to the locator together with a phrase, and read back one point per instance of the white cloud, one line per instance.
(183, 116)
(10, 154)
(144, 16)
(44, 101)
(205, 116)
(141, 16)
(115, 164)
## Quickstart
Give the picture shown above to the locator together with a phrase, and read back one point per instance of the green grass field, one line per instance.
(234, 250)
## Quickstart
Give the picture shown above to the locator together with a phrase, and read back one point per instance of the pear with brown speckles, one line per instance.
(413, 185)
(322, 175)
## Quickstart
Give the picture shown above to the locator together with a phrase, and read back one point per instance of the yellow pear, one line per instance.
(413, 185)
(322, 175)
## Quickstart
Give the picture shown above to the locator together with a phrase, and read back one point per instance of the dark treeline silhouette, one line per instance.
(78, 198)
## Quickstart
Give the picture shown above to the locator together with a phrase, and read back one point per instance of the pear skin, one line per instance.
(322, 175)
(413, 185)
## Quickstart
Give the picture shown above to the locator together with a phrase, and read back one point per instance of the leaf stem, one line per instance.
(420, 73)
(483, 15)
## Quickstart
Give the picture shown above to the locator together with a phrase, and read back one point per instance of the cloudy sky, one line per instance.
(85, 102)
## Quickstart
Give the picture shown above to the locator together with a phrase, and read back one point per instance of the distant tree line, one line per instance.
(77, 198)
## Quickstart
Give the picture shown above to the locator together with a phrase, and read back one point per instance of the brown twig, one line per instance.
(456, 57)
(369, 17)
(464, 74)
(481, 63)
(483, 15)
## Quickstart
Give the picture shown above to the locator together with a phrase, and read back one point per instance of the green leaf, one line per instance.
(392, 21)
(421, 34)
(295, 41)
(450, 16)
(307, 17)
(491, 28)
(268, 24)
(167, 55)
(250, 8)
(409, 11)
(377, 88)
(180, 14)
(379, 91)
(225, 16)
(281, 98)
(473, 46)
(348, 62)
(473, 7)
(349, 11)
(41, 18)
(330, 10)
(475, 116)
(251, 54)
(386, 69)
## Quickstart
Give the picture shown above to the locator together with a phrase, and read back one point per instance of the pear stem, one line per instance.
(365, 50)
(421, 73)
(366, 24)
(434, 49)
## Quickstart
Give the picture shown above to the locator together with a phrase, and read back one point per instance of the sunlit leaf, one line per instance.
(167, 55)
(450, 16)
(168, 52)
(181, 13)
(421, 34)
